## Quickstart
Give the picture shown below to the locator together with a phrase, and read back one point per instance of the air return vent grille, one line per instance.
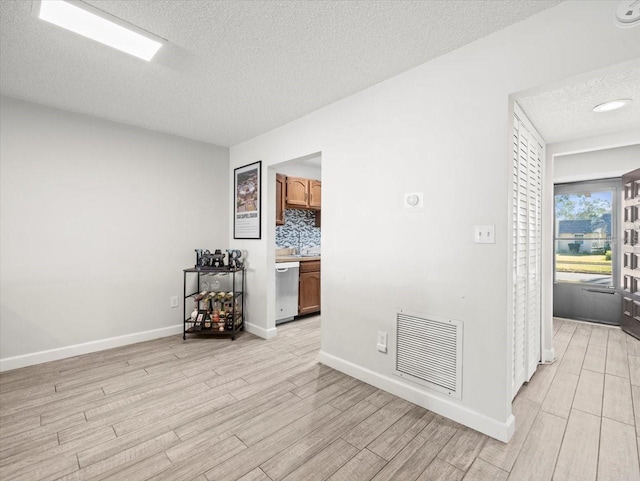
(429, 352)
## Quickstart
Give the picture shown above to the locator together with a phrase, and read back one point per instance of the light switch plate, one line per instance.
(484, 234)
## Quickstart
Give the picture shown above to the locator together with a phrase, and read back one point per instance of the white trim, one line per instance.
(24, 360)
(517, 110)
(261, 331)
(548, 356)
(502, 431)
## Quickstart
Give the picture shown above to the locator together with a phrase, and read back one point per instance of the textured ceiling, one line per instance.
(236, 69)
(566, 113)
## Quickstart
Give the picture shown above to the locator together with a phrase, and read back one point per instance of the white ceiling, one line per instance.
(236, 69)
(566, 113)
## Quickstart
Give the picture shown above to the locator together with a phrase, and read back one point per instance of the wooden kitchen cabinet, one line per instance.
(303, 193)
(281, 190)
(309, 288)
(297, 192)
(315, 194)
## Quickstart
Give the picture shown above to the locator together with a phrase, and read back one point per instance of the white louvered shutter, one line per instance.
(528, 153)
(519, 255)
(534, 278)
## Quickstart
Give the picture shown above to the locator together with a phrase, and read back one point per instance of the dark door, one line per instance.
(631, 254)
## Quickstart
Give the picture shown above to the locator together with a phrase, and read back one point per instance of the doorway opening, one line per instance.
(296, 238)
(586, 251)
(581, 145)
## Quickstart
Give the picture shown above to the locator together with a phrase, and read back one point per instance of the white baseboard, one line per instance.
(24, 360)
(548, 355)
(501, 431)
(260, 331)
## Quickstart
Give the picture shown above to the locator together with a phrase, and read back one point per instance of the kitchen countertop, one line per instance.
(287, 255)
(294, 258)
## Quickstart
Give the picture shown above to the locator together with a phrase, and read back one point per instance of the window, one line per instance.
(583, 228)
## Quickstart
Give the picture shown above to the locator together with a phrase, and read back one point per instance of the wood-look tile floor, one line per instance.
(251, 409)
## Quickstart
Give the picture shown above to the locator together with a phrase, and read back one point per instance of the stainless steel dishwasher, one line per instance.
(286, 291)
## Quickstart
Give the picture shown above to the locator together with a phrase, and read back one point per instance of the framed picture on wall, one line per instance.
(247, 207)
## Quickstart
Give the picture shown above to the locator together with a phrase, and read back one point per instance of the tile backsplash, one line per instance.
(299, 230)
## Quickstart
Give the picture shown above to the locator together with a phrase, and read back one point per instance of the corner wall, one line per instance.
(441, 129)
(97, 221)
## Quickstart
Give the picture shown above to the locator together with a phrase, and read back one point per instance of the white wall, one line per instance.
(308, 167)
(442, 128)
(300, 170)
(98, 219)
(598, 164)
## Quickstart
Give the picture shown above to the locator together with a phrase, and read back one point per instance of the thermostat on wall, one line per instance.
(413, 200)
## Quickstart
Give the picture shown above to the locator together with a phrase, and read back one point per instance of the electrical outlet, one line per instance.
(173, 301)
(382, 341)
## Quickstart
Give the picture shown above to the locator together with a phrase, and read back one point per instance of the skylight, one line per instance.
(99, 26)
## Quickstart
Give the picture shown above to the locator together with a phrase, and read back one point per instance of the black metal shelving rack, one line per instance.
(188, 324)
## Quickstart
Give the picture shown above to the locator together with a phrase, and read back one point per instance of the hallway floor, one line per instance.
(575, 419)
(260, 410)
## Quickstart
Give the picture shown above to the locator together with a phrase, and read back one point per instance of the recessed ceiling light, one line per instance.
(99, 26)
(611, 105)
